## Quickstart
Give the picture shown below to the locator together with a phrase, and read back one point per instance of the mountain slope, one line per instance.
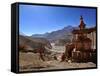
(64, 33)
(33, 43)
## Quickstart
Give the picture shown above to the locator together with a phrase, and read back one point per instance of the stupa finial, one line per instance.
(82, 25)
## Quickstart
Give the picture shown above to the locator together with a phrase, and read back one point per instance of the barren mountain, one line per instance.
(64, 33)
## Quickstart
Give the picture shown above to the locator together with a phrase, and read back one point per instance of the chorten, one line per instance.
(82, 42)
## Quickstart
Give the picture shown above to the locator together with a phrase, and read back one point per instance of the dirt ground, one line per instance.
(32, 62)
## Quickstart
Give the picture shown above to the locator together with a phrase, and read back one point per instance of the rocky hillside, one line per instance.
(29, 43)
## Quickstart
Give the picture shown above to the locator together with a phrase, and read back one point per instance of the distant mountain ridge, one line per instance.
(64, 33)
(22, 34)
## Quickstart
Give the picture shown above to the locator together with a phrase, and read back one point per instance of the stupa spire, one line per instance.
(82, 24)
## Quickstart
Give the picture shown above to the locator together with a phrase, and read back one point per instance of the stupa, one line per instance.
(83, 44)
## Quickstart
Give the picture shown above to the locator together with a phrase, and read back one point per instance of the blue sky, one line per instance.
(41, 19)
